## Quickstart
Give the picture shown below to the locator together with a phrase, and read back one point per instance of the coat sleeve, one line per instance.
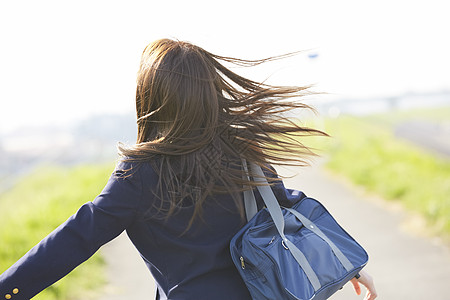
(77, 239)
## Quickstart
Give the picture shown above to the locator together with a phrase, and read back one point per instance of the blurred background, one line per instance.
(67, 83)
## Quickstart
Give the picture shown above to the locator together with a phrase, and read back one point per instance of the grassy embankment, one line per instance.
(366, 151)
(36, 206)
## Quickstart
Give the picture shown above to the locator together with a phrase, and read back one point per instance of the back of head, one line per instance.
(198, 119)
(176, 97)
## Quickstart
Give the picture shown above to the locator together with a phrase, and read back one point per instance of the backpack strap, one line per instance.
(249, 198)
(313, 227)
(277, 216)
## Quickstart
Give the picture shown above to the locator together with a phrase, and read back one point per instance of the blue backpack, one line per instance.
(293, 253)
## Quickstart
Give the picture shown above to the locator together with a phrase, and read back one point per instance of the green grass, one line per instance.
(391, 118)
(36, 206)
(365, 151)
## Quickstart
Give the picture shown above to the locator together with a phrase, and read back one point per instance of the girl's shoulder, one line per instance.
(127, 167)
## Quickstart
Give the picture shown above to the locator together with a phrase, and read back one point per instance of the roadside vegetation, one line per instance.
(365, 150)
(361, 149)
(36, 206)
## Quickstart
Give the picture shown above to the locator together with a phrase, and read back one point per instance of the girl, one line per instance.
(178, 191)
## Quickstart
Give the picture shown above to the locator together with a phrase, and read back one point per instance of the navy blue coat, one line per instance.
(194, 265)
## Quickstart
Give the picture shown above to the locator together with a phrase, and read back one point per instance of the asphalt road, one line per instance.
(430, 135)
(404, 263)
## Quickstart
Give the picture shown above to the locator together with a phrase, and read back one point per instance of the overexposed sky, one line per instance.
(64, 60)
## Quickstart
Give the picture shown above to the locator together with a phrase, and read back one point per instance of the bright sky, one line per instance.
(64, 60)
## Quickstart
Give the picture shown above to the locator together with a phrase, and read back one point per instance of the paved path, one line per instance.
(432, 135)
(404, 265)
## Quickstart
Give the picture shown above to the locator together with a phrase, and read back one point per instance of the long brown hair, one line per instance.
(197, 119)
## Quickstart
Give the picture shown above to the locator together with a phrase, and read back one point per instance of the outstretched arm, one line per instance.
(74, 241)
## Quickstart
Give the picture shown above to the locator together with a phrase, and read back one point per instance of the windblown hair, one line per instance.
(197, 120)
